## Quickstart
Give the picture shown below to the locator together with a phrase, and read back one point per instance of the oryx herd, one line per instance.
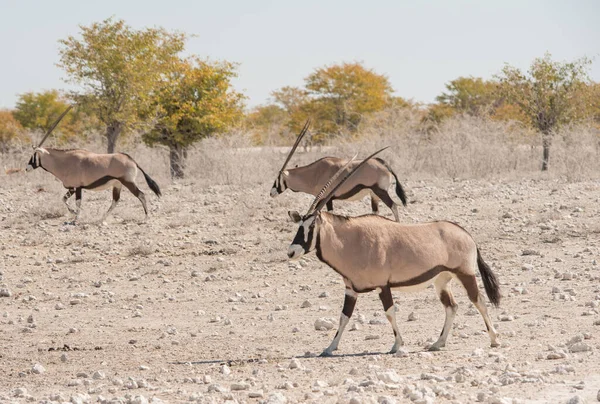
(370, 252)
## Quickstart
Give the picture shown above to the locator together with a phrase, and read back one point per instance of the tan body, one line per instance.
(374, 180)
(371, 252)
(80, 169)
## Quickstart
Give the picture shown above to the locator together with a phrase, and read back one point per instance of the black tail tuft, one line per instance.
(490, 282)
(399, 189)
(151, 183)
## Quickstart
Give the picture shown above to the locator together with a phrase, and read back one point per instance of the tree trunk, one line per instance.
(546, 143)
(177, 156)
(113, 131)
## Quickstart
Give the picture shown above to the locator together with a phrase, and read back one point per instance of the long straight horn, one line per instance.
(296, 143)
(55, 125)
(318, 205)
(328, 184)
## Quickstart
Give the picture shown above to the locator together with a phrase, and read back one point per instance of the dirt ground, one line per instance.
(199, 303)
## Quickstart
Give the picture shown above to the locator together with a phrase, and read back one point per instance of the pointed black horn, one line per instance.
(55, 125)
(296, 143)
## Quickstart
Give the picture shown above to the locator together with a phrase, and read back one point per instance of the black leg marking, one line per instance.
(116, 194)
(78, 194)
(470, 284)
(447, 299)
(374, 205)
(349, 303)
(383, 195)
(386, 297)
(330, 206)
(138, 193)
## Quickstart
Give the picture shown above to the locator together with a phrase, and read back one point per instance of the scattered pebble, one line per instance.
(324, 324)
(38, 369)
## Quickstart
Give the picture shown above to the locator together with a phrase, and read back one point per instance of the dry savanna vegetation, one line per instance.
(199, 303)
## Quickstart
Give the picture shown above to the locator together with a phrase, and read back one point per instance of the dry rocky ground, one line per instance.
(200, 304)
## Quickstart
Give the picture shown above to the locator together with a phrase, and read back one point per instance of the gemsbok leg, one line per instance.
(390, 312)
(138, 193)
(350, 297)
(375, 204)
(388, 201)
(442, 287)
(69, 193)
(78, 192)
(470, 284)
(116, 196)
(329, 206)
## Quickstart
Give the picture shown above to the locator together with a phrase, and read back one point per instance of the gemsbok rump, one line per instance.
(374, 253)
(80, 169)
(374, 179)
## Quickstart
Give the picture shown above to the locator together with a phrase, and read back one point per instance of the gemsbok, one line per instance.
(374, 179)
(371, 253)
(80, 169)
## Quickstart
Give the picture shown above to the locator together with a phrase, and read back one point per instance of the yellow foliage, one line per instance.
(11, 131)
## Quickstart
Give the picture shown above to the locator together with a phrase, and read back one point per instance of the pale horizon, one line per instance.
(420, 47)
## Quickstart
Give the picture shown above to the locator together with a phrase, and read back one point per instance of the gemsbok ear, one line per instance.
(286, 173)
(42, 150)
(295, 216)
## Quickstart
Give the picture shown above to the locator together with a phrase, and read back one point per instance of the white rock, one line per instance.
(580, 347)
(239, 386)
(5, 292)
(256, 394)
(98, 375)
(276, 398)
(412, 317)
(386, 400)
(139, 400)
(388, 376)
(38, 369)
(295, 364)
(225, 370)
(324, 324)
(305, 304)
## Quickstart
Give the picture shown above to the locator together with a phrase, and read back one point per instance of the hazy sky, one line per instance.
(419, 45)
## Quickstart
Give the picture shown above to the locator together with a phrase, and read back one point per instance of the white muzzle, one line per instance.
(295, 251)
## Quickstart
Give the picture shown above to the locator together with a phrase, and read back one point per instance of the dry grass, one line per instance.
(463, 147)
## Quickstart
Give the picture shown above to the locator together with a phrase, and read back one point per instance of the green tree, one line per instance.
(550, 94)
(342, 94)
(195, 101)
(11, 131)
(119, 69)
(471, 95)
(38, 111)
